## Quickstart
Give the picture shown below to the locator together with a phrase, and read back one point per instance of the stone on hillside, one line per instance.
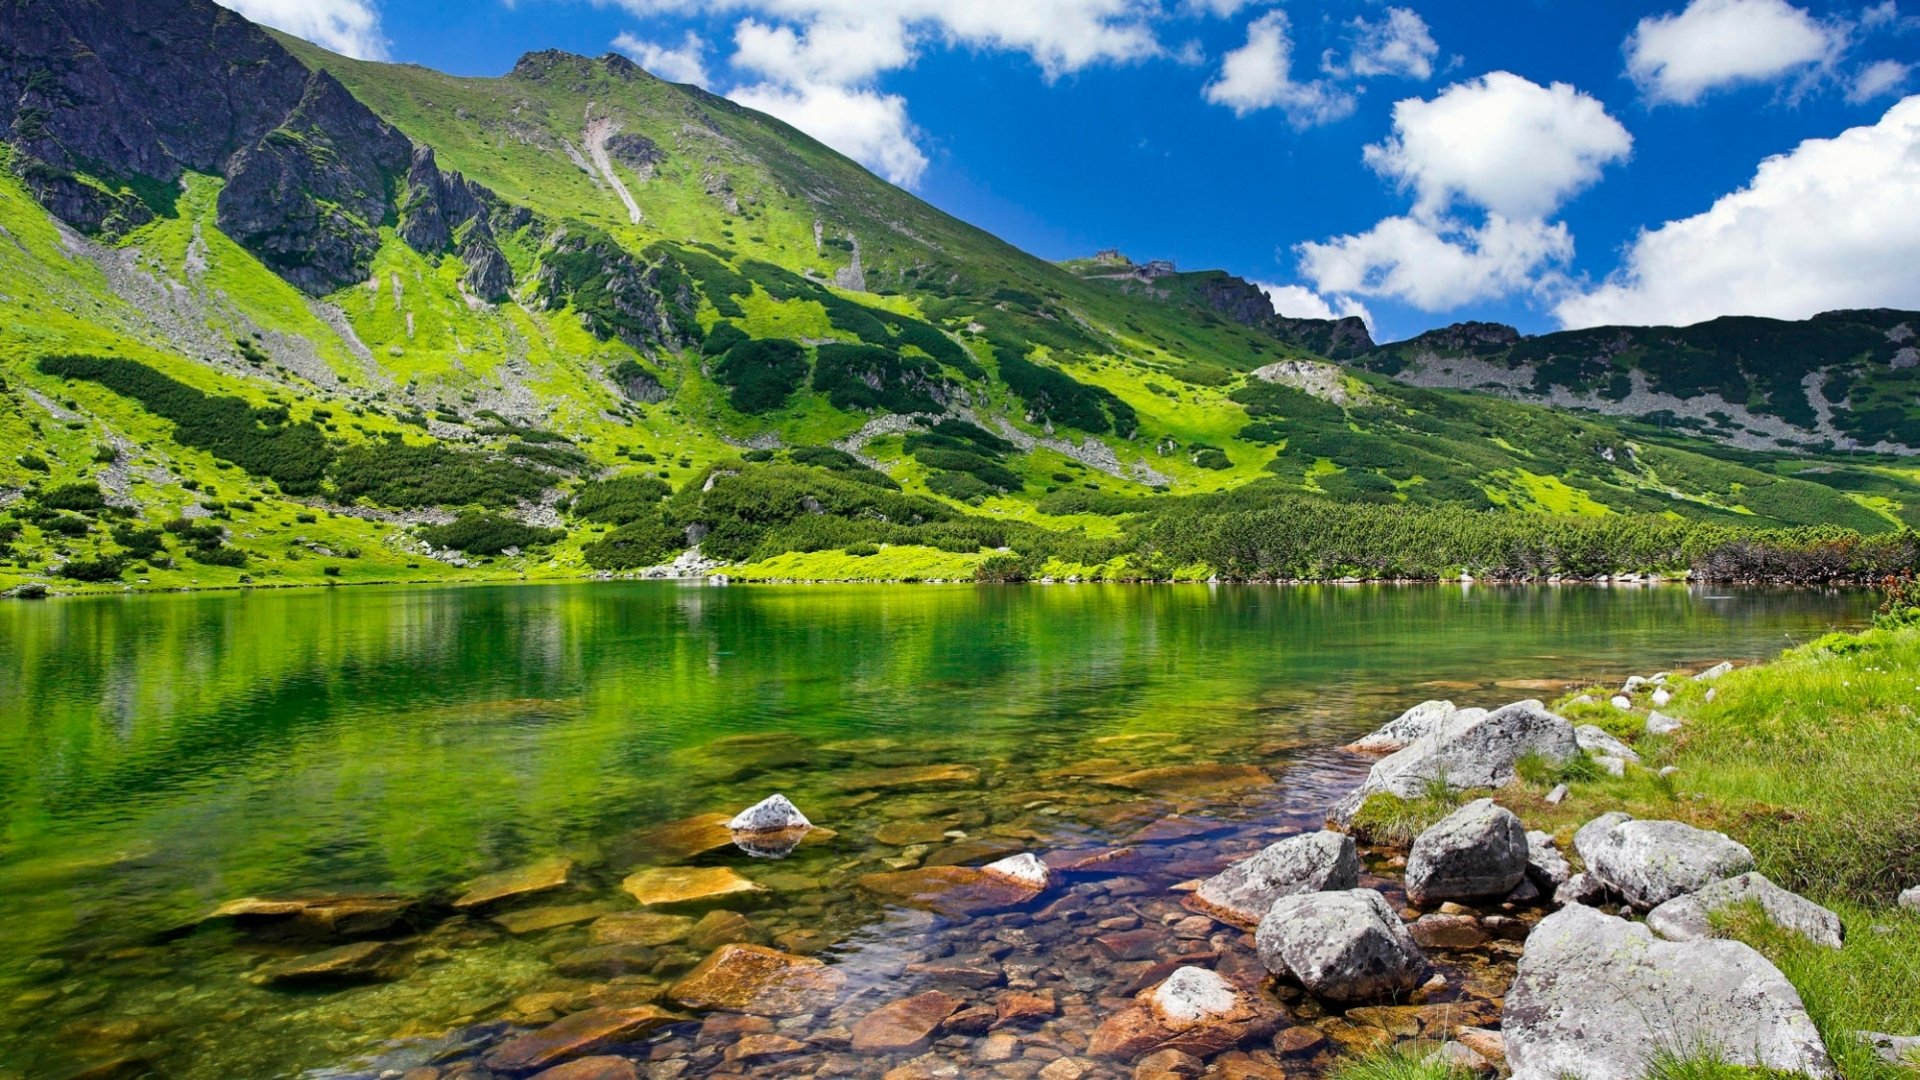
(1025, 870)
(1345, 946)
(1621, 702)
(772, 814)
(1597, 741)
(757, 980)
(576, 1036)
(904, 1026)
(1714, 672)
(1909, 899)
(1685, 918)
(1651, 862)
(1612, 766)
(1662, 698)
(1312, 862)
(1194, 1011)
(1478, 851)
(1893, 1049)
(1545, 865)
(673, 886)
(362, 961)
(1558, 795)
(545, 875)
(1414, 724)
(1467, 751)
(1659, 723)
(954, 891)
(1596, 996)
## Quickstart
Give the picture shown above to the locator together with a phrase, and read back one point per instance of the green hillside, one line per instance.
(575, 319)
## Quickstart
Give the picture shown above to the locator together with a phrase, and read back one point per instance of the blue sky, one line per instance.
(1542, 162)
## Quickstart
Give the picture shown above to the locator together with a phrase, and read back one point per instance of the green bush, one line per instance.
(762, 374)
(488, 534)
(82, 498)
(99, 568)
(393, 473)
(646, 541)
(620, 499)
(870, 377)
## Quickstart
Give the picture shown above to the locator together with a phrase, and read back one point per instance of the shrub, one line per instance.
(393, 473)
(870, 377)
(212, 555)
(99, 568)
(488, 534)
(762, 374)
(32, 463)
(81, 498)
(646, 541)
(621, 499)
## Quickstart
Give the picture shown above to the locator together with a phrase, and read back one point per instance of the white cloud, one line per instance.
(1877, 79)
(1437, 264)
(1300, 302)
(836, 52)
(866, 125)
(1679, 57)
(1259, 75)
(685, 64)
(1830, 224)
(348, 27)
(1399, 44)
(1499, 142)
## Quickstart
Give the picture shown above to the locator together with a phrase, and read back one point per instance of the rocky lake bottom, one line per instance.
(482, 833)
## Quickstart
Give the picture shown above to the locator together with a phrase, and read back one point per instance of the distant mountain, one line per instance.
(270, 315)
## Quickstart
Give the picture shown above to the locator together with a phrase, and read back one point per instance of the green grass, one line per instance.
(1395, 1063)
(1393, 821)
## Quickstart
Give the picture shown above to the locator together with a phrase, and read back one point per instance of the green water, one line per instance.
(160, 755)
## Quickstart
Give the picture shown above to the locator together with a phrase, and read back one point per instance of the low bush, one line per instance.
(488, 534)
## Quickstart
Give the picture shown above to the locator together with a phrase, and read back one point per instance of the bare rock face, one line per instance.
(1596, 996)
(1651, 862)
(444, 211)
(1344, 946)
(1194, 1012)
(1479, 850)
(1688, 917)
(1241, 894)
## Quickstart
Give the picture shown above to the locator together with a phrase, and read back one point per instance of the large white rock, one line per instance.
(1714, 672)
(1411, 726)
(1478, 851)
(771, 814)
(1688, 917)
(1344, 946)
(1597, 996)
(1651, 862)
(1599, 742)
(1310, 862)
(1469, 750)
(1659, 723)
(1194, 994)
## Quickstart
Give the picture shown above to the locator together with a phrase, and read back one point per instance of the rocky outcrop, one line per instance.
(1469, 750)
(1242, 894)
(1688, 917)
(1247, 304)
(1651, 862)
(616, 294)
(443, 212)
(1597, 996)
(1466, 337)
(1476, 852)
(1344, 946)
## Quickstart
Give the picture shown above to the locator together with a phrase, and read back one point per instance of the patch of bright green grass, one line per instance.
(1396, 1063)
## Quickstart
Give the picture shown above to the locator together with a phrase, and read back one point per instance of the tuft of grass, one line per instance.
(1393, 821)
(1708, 1065)
(1396, 1063)
(1542, 771)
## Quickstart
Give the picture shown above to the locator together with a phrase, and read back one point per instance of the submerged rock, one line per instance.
(577, 1036)
(362, 961)
(1651, 862)
(1685, 918)
(1467, 751)
(598, 1067)
(1344, 946)
(1194, 1011)
(688, 885)
(954, 891)
(1478, 851)
(911, 776)
(319, 917)
(1192, 780)
(535, 920)
(903, 1026)
(1241, 894)
(757, 980)
(639, 928)
(508, 885)
(1024, 870)
(1597, 996)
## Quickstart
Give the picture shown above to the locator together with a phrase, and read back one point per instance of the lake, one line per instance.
(163, 755)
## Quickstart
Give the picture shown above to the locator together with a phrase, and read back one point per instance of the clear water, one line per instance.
(160, 755)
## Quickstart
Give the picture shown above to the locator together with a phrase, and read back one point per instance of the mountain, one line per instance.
(269, 315)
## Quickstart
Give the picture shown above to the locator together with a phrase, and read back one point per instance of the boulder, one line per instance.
(904, 1026)
(1909, 899)
(1311, 862)
(1714, 672)
(543, 876)
(1479, 850)
(1621, 702)
(318, 917)
(1893, 1049)
(1344, 946)
(1581, 888)
(757, 980)
(1414, 724)
(1545, 865)
(680, 886)
(1467, 751)
(1194, 1011)
(1651, 862)
(771, 814)
(1662, 698)
(576, 1036)
(1685, 918)
(1596, 996)
(1025, 870)
(1659, 723)
(1596, 741)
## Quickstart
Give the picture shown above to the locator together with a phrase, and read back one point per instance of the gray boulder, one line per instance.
(1909, 899)
(1479, 850)
(1597, 741)
(1344, 946)
(1311, 862)
(1686, 918)
(1893, 1049)
(1581, 888)
(1596, 997)
(1545, 865)
(1469, 750)
(771, 814)
(1651, 862)
(1714, 672)
(1414, 724)
(1659, 723)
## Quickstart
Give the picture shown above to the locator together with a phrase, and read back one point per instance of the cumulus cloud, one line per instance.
(1259, 75)
(1500, 142)
(1878, 79)
(1437, 264)
(1829, 224)
(1679, 57)
(1300, 302)
(686, 63)
(348, 27)
(1399, 44)
(866, 125)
